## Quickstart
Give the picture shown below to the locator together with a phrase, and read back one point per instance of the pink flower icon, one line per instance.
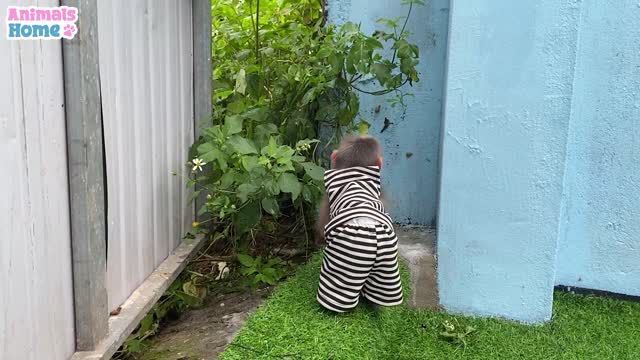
(69, 31)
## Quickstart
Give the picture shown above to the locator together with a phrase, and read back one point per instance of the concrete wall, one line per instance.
(36, 291)
(412, 143)
(600, 232)
(540, 175)
(506, 118)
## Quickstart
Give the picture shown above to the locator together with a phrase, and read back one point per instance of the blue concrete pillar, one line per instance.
(506, 115)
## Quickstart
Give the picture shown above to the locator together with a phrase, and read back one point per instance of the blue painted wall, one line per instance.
(540, 176)
(506, 120)
(600, 231)
(412, 143)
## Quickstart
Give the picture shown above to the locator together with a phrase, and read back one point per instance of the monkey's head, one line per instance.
(357, 151)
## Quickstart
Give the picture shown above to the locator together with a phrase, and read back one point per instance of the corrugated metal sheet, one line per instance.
(147, 86)
(36, 296)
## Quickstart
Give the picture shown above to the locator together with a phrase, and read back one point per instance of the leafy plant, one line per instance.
(263, 271)
(455, 333)
(280, 73)
(245, 183)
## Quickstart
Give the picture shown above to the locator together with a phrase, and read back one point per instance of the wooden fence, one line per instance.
(91, 130)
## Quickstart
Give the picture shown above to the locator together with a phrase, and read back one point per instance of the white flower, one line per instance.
(198, 164)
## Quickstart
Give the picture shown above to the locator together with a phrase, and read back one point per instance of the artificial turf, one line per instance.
(291, 325)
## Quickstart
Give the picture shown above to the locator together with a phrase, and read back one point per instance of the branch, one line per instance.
(404, 26)
(380, 92)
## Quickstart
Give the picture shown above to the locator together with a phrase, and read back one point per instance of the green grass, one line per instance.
(291, 325)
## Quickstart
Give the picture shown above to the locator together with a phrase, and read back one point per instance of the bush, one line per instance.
(280, 73)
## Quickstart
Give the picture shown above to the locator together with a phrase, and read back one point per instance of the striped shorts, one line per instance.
(361, 258)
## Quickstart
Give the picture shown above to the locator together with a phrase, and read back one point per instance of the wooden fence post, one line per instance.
(202, 71)
(86, 177)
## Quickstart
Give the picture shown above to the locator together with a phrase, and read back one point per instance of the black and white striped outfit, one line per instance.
(361, 256)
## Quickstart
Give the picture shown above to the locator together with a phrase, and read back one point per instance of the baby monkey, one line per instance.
(353, 151)
(360, 259)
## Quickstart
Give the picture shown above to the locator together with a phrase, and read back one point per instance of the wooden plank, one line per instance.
(187, 213)
(154, 43)
(202, 72)
(86, 177)
(36, 289)
(147, 86)
(142, 300)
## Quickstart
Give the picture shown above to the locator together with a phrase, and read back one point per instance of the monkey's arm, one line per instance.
(385, 199)
(323, 217)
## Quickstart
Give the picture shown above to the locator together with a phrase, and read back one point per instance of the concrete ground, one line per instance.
(202, 334)
(417, 246)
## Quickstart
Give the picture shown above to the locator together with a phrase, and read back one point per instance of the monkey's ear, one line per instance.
(380, 162)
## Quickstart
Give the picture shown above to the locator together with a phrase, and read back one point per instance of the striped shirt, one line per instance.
(354, 192)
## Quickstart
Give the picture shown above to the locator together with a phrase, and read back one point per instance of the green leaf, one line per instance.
(306, 194)
(233, 124)
(314, 171)
(247, 217)
(209, 152)
(258, 114)
(190, 288)
(350, 28)
(404, 49)
(214, 132)
(134, 345)
(382, 72)
(227, 179)
(268, 51)
(245, 190)
(266, 129)
(408, 66)
(272, 187)
(249, 162)
(222, 94)
(246, 260)
(324, 52)
(345, 117)
(363, 128)
(309, 96)
(272, 148)
(241, 82)
(372, 43)
(336, 62)
(391, 23)
(237, 106)
(242, 145)
(243, 54)
(268, 277)
(146, 325)
(189, 299)
(289, 183)
(284, 154)
(270, 205)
